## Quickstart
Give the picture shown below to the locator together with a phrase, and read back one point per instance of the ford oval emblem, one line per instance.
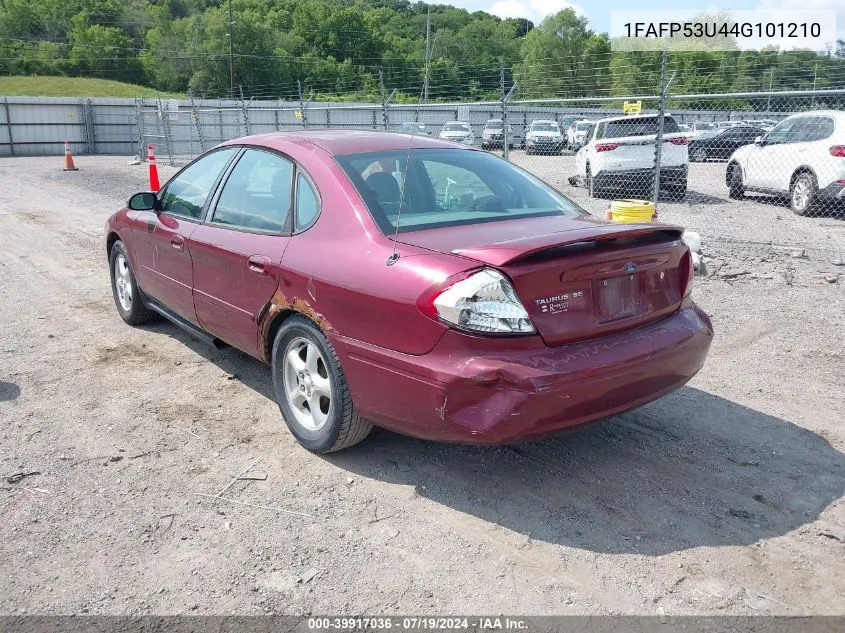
(630, 268)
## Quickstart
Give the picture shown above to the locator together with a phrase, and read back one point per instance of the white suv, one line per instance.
(618, 154)
(544, 137)
(802, 156)
(459, 132)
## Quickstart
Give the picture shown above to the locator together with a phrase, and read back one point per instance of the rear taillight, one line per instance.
(606, 147)
(686, 272)
(482, 302)
(680, 140)
(838, 151)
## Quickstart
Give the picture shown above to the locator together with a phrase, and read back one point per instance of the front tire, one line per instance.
(736, 188)
(127, 295)
(311, 389)
(802, 193)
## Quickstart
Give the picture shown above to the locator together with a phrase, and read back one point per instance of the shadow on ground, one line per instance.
(9, 391)
(692, 469)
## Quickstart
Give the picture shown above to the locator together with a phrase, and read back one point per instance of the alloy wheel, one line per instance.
(801, 193)
(123, 282)
(307, 383)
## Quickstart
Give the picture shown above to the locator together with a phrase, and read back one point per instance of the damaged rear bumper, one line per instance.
(496, 391)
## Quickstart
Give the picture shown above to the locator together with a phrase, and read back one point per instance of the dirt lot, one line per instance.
(725, 497)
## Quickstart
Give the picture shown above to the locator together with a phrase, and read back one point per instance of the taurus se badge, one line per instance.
(630, 268)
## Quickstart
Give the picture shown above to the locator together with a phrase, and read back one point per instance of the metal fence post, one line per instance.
(385, 100)
(9, 126)
(196, 116)
(139, 122)
(245, 109)
(303, 115)
(165, 123)
(658, 141)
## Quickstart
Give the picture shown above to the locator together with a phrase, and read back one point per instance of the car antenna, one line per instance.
(394, 256)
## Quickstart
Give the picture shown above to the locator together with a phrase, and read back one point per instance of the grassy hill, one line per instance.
(39, 86)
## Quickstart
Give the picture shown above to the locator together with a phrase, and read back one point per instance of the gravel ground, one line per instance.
(724, 497)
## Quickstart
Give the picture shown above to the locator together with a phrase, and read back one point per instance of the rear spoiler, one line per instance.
(517, 249)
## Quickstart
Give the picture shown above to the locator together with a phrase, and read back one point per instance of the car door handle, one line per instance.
(258, 264)
(177, 242)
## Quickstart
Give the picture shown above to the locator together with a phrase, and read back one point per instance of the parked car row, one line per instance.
(802, 157)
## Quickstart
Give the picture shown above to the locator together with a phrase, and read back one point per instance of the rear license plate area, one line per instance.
(618, 298)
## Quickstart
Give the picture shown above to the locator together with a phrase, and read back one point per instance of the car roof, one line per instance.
(626, 117)
(337, 142)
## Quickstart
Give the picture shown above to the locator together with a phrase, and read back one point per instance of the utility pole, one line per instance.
(427, 55)
(231, 54)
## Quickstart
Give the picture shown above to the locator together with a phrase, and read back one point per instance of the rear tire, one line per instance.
(677, 191)
(736, 189)
(127, 296)
(802, 193)
(307, 378)
(699, 155)
(595, 192)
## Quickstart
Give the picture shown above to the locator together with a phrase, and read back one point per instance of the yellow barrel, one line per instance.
(631, 210)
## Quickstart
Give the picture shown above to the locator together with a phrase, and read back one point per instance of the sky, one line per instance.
(598, 11)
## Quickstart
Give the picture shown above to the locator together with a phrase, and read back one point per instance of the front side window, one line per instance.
(186, 194)
(444, 187)
(257, 193)
(785, 132)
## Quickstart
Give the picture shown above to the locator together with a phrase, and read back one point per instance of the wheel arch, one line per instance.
(110, 240)
(278, 310)
(803, 169)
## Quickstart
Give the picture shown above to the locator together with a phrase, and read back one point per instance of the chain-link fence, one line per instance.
(738, 163)
(742, 168)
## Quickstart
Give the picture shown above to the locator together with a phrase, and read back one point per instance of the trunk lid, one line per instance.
(580, 277)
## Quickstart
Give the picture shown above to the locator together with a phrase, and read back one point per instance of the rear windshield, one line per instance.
(447, 187)
(544, 127)
(494, 125)
(455, 127)
(641, 126)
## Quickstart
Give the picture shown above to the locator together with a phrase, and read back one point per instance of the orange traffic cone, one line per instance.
(69, 166)
(154, 184)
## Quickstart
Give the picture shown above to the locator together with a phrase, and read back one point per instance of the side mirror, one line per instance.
(758, 140)
(145, 201)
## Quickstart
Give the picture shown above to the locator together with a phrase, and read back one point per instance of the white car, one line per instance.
(619, 153)
(459, 132)
(802, 156)
(544, 137)
(492, 135)
(576, 133)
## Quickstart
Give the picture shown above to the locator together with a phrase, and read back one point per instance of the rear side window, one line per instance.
(186, 194)
(815, 128)
(307, 203)
(641, 126)
(257, 193)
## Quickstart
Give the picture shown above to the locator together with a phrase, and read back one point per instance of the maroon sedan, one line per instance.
(411, 283)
